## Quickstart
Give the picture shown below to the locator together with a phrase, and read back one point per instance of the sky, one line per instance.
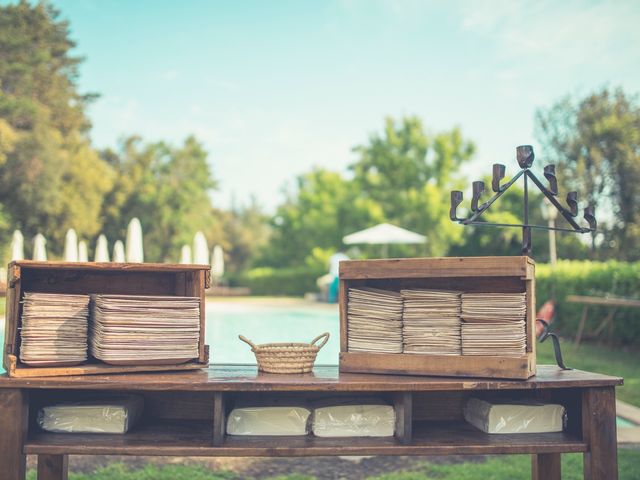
(275, 88)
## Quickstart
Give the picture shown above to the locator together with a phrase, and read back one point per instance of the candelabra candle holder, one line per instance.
(525, 157)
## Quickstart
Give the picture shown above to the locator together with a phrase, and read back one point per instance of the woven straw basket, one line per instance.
(287, 357)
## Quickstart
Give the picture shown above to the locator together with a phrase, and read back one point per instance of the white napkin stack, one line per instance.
(53, 329)
(494, 324)
(374, 319)
(431, 322)
(148, 330)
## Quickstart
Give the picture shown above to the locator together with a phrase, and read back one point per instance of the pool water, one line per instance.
(265, 324)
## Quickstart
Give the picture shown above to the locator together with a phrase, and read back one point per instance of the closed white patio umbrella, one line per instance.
(17, 245)
(71, 246)
(40, 248)
(217, 262)
(102, 250)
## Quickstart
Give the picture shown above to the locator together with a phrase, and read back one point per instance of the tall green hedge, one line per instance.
(281, 281)
(599, 279)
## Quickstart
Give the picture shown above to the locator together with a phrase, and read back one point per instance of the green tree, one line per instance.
(166, 187)
(323, 208)
(409, 173)
(595, 142)
(50, 177)
(242, 231)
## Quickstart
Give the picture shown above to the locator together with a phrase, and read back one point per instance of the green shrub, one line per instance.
(599, 279)
(294, 281)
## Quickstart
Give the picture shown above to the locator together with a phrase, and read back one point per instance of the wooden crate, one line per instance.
(86, 278)
(469, 274)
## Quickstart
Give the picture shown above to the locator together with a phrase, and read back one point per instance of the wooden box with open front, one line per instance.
(78, 278)
(506, 275)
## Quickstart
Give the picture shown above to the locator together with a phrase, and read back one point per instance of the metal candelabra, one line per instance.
(525, 157)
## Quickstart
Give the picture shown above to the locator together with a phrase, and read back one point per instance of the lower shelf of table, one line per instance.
(194, 438)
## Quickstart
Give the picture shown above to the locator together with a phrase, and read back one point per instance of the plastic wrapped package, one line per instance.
(499, 416)
(268, 420)
(107, 415)
(354, 418)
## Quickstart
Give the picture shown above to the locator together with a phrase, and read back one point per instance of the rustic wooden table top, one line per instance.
(323, 378)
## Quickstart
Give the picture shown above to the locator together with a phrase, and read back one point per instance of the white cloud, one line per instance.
(565, 34)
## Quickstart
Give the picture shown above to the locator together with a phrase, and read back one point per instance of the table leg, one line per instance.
(52, 467)
(545, 466)
(219, 418)
(14, 419)
(599, 432)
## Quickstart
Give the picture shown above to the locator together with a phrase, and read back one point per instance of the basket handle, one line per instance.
(247, 341)
(325, 335)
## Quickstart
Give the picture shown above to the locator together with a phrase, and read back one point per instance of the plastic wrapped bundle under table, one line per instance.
(108, 415)
(514, 416)
(354, 418)
(268, 420)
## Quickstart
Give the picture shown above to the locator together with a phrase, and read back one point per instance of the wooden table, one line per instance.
(185, 415)
(613, 303)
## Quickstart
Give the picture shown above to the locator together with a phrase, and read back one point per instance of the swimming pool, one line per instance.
(269, 322)
(264, 322)
(272, 321)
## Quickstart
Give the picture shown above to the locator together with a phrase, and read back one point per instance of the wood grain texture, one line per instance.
(437, 267)
(342, 303)
(599, 432)
(53, 467)
(219, 419)
(177, 405)
(13, 430)
(194, 439)
(17, 371)
(439, 406)
(12, 316)
(199, 291)
(404, 417)
(441, 365)
(136, 267)
(466, 274)
(243, 378)
(546, 466)
(90, 277)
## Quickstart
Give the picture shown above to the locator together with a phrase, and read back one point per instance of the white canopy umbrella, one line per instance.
(384, 234)
(334, 263)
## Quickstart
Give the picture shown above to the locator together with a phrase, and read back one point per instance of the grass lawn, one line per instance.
(600, 359)
(511, 467)
(515, 467)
